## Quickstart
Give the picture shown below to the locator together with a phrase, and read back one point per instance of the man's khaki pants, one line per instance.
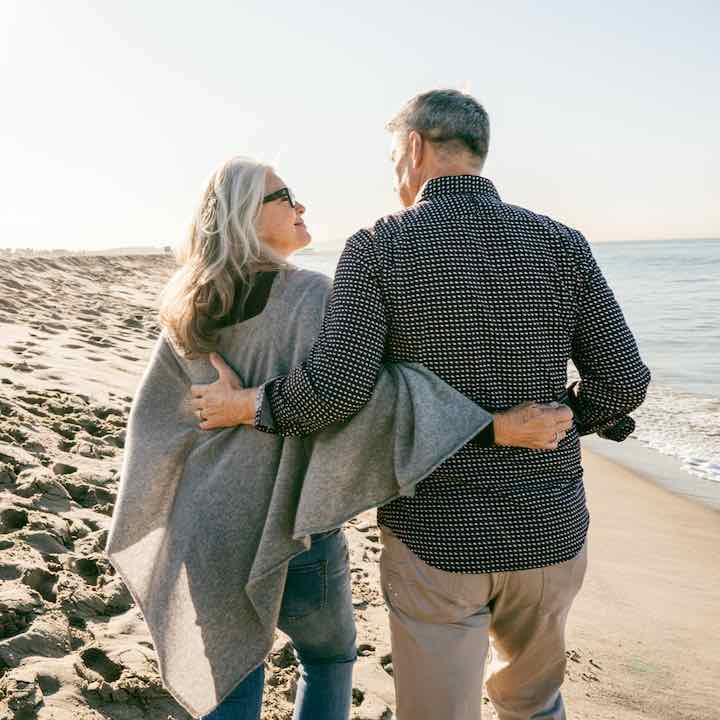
(442, 625)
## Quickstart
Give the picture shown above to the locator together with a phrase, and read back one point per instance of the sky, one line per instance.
(604, 115)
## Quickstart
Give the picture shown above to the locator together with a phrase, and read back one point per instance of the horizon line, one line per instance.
(320, 246)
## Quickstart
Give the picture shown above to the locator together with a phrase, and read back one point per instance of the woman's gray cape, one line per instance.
(206, 521)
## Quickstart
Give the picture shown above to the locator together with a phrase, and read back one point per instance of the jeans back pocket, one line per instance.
(305, 590)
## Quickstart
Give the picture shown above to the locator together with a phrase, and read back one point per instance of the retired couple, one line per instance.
(429, 379)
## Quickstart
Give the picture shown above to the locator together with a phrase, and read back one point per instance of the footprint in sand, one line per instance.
(53, 328)
(43, 328)
(44, 542)
(33, 397)
(95, 659)
(27, 367)
(12, 519)
(87, 569)
(9, 571)
(20, 367)
(42, 582)
(100, 341)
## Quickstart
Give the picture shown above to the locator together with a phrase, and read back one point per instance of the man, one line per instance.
(495, 300)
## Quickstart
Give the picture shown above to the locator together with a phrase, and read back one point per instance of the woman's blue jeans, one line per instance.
(317, 615)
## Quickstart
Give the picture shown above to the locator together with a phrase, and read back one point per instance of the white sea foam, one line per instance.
(679, 424)
(683, 425)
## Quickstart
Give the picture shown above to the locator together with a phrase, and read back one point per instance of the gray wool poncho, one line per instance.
(206, 521)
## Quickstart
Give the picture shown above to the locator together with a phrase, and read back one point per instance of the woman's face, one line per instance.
(280, 225)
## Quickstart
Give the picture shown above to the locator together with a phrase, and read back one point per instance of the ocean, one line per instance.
(670, 294)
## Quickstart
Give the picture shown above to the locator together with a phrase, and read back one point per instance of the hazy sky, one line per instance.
(604, 115)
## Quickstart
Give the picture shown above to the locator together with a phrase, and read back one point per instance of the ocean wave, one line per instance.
(683, 425)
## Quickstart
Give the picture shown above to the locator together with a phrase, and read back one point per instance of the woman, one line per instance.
(208, 529)
(248, 225)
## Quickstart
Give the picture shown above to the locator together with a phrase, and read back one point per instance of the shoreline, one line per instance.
(642, 632)
(665, 471)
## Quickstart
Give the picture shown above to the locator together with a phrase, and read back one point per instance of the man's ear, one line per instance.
(416, 146)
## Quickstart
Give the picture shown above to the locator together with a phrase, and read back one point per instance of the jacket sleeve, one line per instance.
(613, 378)
(339, 374)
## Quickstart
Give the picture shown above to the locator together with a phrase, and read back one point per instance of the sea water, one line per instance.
(670, 294)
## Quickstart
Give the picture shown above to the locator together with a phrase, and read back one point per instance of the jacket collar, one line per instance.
(457, 185)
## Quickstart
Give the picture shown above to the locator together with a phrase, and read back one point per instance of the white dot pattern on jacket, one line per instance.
(495, 300)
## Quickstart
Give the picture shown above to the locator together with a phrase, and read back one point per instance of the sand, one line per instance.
(75, 334)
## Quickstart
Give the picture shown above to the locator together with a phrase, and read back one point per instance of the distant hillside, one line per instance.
(137, 250)
(104, 252)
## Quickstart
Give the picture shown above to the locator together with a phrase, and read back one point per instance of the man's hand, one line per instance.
(224, 403)
(532, 425)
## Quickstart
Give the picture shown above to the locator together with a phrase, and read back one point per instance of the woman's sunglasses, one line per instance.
(282, 193)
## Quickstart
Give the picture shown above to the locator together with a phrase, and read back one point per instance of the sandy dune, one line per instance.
(75, 334)
(80, 324)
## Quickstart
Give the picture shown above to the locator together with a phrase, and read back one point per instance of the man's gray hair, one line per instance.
(451, 119)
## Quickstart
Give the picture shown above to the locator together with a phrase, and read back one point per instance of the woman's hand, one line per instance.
(533, 425)
(224, 403)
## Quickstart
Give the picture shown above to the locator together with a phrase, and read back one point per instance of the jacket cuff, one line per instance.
(486, 437)
(618, 430)
(264, 419)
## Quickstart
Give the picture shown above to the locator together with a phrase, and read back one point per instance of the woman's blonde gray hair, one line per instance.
(219, 257)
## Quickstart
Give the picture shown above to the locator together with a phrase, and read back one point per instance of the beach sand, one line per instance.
(75, 334)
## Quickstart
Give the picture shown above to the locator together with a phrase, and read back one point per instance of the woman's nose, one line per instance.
(299, 208)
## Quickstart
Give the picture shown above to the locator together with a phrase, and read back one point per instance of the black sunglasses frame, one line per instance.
(284, 194)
